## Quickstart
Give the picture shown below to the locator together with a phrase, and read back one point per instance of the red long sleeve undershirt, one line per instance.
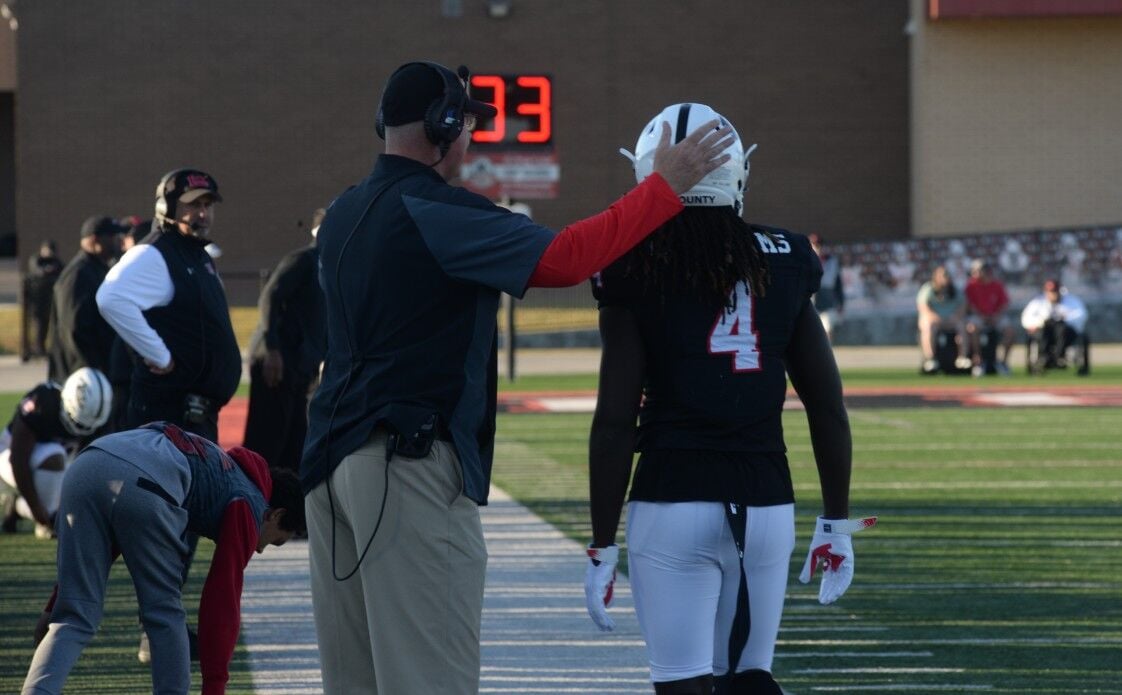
(592, 244)
(220, 606)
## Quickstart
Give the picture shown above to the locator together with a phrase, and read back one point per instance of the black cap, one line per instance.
(101, 226)
(190, 184)
(413, 88)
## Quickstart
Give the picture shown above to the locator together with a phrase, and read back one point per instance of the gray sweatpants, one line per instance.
(103, 507)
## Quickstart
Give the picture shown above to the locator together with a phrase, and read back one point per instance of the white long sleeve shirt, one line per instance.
(138, 282)
(1070, 308)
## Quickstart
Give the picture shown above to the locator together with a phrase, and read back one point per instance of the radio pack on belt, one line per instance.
(416, 445)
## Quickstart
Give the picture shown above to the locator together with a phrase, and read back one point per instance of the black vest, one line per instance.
(195, 326)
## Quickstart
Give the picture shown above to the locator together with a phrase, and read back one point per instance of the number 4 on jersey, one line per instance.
(734, 333)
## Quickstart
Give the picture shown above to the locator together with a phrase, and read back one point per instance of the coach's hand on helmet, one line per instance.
(686, 163)
(832, 549)
(599, 582)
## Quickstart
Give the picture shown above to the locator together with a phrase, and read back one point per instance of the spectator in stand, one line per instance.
(1055, 321)
(987, 301)
(79, 336)
(1013, 261)
(43, 270)
(285, 355)
(829, 300)
(941, 310)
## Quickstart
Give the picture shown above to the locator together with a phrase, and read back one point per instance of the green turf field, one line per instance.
(994, 568)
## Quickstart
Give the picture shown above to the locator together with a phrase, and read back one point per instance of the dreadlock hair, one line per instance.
(702, 253)
(288, 495)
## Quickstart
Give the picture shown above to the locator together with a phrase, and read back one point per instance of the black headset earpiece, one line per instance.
(444, 118)
(165, 209)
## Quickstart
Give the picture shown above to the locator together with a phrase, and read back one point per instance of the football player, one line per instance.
(33, 447)
(701, 325)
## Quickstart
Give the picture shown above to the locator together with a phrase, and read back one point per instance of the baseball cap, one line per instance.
(413, 88)
(101, 226)
(1051, 285)
(190, 184)
(978, 265)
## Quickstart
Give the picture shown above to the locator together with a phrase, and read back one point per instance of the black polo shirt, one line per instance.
(411, 269)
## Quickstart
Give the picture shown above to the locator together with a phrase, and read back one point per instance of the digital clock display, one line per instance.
(525, 106)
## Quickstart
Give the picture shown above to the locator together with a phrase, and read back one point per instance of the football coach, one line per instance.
(401, 430)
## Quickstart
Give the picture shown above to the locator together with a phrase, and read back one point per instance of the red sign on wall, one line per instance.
(518, 174)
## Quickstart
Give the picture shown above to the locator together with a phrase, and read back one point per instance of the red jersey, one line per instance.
(986, 297)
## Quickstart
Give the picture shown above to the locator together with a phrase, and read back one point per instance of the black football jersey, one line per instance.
(41, 410)
(715, 376)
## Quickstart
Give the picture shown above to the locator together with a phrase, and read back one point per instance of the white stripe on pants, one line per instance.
(685, 576)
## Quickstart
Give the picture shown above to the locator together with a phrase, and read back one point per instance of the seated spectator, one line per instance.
(33, 446)
(986, 301)
(1055, 321)
(941, 311)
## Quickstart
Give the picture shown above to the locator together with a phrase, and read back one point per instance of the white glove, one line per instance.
(832, 548)
(599, 581)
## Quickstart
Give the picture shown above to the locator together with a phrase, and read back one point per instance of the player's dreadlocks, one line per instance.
(702, 252)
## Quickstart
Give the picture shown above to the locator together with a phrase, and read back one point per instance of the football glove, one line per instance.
(832, 549)
(599, 582)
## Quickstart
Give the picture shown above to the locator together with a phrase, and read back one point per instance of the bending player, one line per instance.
(137, 493)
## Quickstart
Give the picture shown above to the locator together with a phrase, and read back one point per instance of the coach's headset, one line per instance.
(167, 195)
(444, 117)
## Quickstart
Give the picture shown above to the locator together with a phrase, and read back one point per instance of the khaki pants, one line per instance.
(407, 622)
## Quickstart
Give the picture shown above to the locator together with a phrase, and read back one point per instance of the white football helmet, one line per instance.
(87, 399)
(725, 185)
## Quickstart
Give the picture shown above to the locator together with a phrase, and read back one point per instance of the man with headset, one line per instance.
(165, 299)
(401, 430)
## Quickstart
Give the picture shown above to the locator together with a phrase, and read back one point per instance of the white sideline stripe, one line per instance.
(533, 614)
(1026, 398)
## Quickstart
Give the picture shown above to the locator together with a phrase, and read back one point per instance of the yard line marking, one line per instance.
(866, 687)
(965, 641)
(854, 628)
(881, 669)
(594, 644)
(856, 655)
(977, 484)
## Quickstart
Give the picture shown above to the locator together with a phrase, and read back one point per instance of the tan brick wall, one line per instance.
(1016, 123)
(277, 100)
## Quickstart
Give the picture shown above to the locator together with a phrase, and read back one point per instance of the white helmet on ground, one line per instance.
(725, 185)
(87, 399)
